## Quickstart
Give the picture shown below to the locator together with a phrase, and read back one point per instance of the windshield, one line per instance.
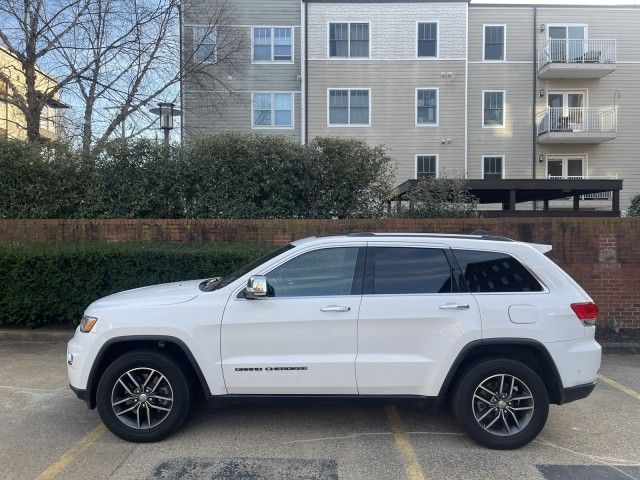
(232, 277)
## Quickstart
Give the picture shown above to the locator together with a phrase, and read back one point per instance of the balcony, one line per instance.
(576, 58)
(571, 125)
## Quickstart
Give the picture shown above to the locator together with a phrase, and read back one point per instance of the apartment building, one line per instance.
(450, 87)
(12, 121)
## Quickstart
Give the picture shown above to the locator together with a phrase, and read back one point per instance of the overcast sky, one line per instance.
(564, 2)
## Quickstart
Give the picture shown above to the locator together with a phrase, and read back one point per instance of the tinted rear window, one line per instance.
(487, 272)
(411, 270)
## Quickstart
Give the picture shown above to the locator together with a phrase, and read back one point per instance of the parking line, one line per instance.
(620, 387)
(74, 452)
(411, 462)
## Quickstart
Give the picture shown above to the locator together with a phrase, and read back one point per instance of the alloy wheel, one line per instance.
(142, 398)
(503, 405)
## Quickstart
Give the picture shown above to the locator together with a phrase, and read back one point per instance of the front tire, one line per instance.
(143, 396)
(501, 403)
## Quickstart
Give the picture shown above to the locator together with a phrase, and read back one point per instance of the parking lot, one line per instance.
(46, 433)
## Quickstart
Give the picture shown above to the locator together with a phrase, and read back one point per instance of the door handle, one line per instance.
(335, 308)
(454, 306)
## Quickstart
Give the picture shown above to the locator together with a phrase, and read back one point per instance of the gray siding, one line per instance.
(393, 107)
(519, 31)
(514, 140)
(619, 157)
(219, 99)
(393, 73)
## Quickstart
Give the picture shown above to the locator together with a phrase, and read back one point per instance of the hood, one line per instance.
(164, 294)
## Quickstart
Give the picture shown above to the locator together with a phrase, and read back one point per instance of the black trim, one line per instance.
(80, 393)
(572, 394)
(358, 274)
(467, 349)
(231, 399)
(92, 382)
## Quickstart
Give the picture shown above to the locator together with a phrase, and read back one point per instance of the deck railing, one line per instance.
(578, 119)
(577, 51)
(589, 196)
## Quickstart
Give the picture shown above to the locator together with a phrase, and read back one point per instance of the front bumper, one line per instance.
(81, 393)
(81, 351)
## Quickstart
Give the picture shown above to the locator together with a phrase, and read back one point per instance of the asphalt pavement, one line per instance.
(47, 433)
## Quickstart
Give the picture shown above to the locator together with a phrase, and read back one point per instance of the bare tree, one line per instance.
(31, 31)
(115, 57)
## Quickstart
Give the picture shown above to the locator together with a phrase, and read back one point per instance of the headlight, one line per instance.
(87, 323)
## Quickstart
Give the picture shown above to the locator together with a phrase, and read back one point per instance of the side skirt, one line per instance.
(221, 401)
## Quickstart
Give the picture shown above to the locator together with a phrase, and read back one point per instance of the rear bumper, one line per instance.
(572, 394)
(577, 361)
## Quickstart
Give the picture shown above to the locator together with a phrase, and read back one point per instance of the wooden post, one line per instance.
(512, 199)
(576, 202)
(545, 205)
(615, 201)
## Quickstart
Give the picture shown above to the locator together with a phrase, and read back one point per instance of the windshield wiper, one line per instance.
(209, 285)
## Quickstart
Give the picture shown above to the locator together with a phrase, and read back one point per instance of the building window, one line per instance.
(349, 107)
(204, 43)
(349, 40)
(272, 110)
(493, 167)
(493, 108)
(427, 106)
(426, 166)
(427, 39)
(272, 44)
(494, 42)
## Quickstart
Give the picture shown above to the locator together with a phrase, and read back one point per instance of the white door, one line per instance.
(566, 111)
(302, 338)
(413, 320)
(568, 43)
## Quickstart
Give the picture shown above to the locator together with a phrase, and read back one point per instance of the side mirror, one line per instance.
(256, 287)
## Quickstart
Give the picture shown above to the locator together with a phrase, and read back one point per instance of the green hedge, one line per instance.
(227, 175)
(47, 284)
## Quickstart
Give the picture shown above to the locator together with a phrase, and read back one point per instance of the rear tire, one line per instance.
(143, 396)
(501, 403)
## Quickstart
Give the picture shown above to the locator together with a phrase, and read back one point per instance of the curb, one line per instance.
(19, 335)
(629, 348)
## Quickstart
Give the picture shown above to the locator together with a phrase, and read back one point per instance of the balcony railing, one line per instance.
(589, 196)
(577, 51)
(578, 119)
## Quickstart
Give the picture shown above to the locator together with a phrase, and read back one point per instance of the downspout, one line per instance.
(305, 69)
(303, 73)
(466, 98)
(534, 130)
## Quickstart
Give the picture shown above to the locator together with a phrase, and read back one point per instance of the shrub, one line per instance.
(439, 198)
(227, 175)
(42, 284)
(634, 207)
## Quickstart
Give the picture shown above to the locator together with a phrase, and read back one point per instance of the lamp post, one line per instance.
(166, 111)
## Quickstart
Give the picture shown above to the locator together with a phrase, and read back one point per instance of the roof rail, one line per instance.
(476, 235)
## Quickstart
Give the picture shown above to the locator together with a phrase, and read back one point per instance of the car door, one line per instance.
(301, 338)
(414, 319)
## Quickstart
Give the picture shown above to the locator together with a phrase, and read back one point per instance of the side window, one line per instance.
(325, 272)
(489, 272)
(399, 270)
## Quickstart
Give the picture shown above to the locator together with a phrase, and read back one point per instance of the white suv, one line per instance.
(487, 324)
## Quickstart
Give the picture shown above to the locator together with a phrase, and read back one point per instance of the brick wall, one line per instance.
(602, 254)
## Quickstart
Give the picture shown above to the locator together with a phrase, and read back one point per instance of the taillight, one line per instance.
(587, 312)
